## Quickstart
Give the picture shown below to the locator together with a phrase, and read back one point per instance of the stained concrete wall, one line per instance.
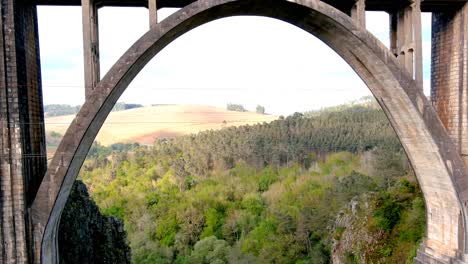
(449, 83)
(22, 159)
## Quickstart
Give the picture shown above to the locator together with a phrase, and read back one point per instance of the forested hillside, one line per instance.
(303, 189)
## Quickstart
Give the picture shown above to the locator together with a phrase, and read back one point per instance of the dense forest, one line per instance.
(333, 185)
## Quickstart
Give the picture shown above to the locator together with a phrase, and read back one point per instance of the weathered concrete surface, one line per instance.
(90, 46)
(435, 158)
(406, 38)
(424, 258)
(22, 144)
(358, 13)
(449, 85)
(153, 13)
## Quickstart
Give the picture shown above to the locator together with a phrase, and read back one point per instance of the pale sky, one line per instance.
(246, 60)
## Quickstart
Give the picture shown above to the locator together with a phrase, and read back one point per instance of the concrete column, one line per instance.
(90, 46)
(153, 13)
(393, 33)
(449, 74)
(358, 12)
(406, 38)
(417, 38)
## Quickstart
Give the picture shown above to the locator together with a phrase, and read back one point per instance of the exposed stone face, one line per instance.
(86, 236)
(352, 235)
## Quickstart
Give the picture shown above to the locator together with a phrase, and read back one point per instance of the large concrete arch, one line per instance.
(438, 166)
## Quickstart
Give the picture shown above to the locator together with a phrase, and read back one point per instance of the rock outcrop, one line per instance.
(354, 241)
(88, 237)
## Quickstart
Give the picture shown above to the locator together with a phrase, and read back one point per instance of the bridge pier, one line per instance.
(449, 96)
(406, 38)
(449, 92)
(23, 153)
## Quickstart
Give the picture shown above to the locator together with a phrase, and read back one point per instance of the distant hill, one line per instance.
(51, 110)
(143, 125)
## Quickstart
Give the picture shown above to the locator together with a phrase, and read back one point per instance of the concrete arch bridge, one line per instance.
(433, 133)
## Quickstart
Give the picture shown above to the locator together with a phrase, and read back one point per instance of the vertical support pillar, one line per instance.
(153, 13)
(417, 38)
(449, 74)
(393, 33)
(406, 39)
(23, 155)
(358, 12)
(90, 46)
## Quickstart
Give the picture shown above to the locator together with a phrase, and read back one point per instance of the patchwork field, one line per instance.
(144, 124)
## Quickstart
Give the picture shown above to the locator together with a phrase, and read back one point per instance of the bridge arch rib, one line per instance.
(437, 164)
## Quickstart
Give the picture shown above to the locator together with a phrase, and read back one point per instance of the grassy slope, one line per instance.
(143, 125)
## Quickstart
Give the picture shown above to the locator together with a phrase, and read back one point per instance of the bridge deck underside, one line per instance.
(371, 5)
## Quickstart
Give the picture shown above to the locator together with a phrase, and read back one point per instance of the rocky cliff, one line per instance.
(353, 241)
(88, 237)
(380, 227)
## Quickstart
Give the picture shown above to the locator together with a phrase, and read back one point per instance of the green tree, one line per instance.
(236, 107)
(210, 250)
(260, 109)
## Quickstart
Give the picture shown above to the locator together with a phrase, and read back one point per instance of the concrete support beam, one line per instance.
(153, 13)
(449, 82)
(406, 38)
(358, 12)
(90, 46)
